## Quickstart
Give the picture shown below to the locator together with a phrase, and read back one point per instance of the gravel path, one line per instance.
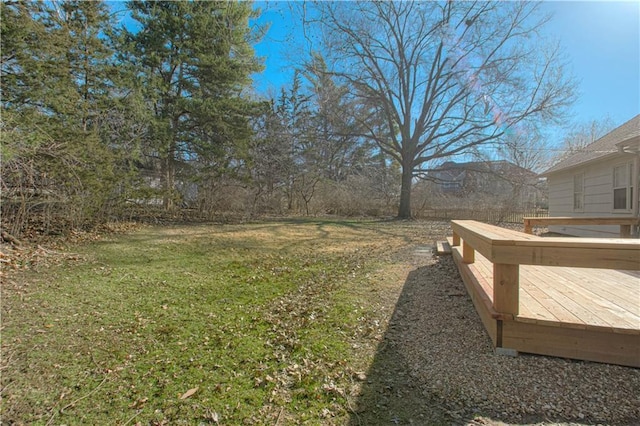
(440, 344)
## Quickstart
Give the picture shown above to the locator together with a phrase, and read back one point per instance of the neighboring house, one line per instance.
(493, 179)
(600, 180)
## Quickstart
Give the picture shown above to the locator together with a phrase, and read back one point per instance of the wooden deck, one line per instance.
(572, 312)
(581, 313)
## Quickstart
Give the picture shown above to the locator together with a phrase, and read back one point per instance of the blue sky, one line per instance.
(601, 40)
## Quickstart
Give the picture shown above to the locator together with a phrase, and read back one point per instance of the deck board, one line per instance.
(530, 305)
(563, 308)
(601, 282)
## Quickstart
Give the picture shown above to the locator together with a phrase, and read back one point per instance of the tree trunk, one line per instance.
(404, 212)
(168, 173)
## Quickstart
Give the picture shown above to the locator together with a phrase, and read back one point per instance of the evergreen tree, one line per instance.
(194, 61)
(55, 88)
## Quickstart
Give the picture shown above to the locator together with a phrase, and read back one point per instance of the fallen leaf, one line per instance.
(189, 393)
(139, 403)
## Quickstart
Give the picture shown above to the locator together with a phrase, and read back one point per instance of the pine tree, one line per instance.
(194, 60)
(55, 88)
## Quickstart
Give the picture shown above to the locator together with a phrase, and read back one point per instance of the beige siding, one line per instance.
(598, 198)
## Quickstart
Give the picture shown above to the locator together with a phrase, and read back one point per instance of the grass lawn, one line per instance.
(266, 323)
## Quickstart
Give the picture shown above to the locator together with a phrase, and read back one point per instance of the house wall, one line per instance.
(598, 197)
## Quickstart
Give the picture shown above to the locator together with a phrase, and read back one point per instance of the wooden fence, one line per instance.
(483, 215)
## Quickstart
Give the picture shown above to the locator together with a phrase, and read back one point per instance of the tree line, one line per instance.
(104, 121)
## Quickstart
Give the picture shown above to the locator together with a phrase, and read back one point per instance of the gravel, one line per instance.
(437, 335)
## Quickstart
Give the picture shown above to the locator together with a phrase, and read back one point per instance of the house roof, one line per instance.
(452, 172)
(603, 147)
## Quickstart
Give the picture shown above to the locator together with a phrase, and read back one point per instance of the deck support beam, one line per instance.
(506, 288)
(468, 253)
(456, 239)
(625, 231)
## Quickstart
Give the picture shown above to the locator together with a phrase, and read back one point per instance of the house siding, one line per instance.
(598, 198)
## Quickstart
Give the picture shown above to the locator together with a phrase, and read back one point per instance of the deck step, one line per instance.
(442, 248)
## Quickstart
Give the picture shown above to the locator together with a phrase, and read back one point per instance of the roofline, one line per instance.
(622, 145)
(584, 163)
(633, 142)
(632, 139)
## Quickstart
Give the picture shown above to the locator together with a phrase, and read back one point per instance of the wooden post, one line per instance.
(625, 231)
(468, 253)
(506, 288)
(456, 239)
(528, 229)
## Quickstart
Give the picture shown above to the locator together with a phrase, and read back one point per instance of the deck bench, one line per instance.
(625, 222)
(507, 249)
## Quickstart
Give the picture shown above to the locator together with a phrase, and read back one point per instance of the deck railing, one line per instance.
(624, 222)
(507, 250)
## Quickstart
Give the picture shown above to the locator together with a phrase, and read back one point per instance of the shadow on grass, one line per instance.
(391, 393)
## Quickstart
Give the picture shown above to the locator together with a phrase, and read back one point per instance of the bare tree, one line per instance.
(446, 77)
(529, 150)
(582, 134)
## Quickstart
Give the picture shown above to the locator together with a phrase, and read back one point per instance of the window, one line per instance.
(622, 187)
(578, 191)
